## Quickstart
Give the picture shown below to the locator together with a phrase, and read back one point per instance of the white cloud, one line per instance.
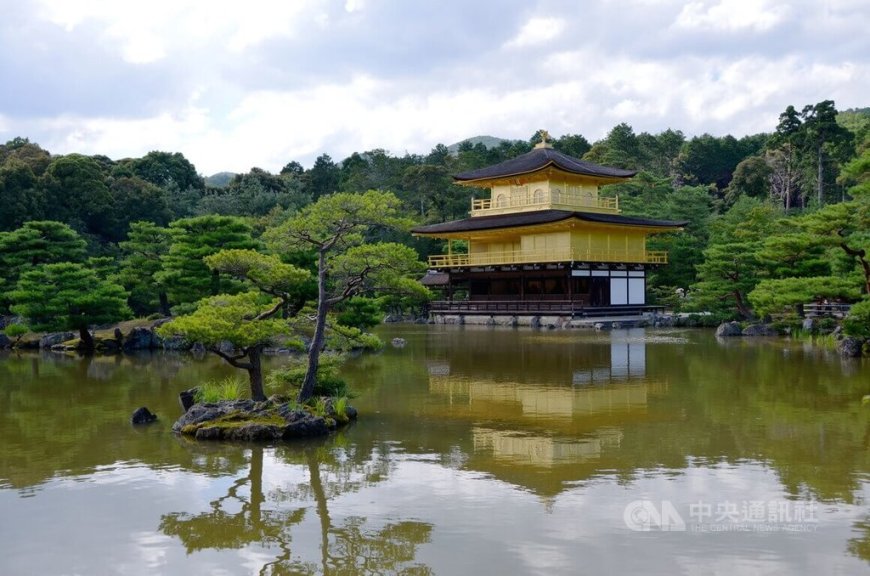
(260, 83)
(148, 31)
(537, 31)
(354, 5)
(268, 128)
(758, 15)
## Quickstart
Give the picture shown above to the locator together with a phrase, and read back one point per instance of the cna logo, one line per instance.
(645, 516)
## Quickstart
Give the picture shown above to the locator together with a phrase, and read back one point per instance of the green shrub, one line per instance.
(668, 297)
(828, 341)
(230, 388)
(857, 323)
(328, 381)
(319, 404)
(184, 309)
(340, 405)
(16, 331)
(700, 320)
(347, 338)
(360, 312)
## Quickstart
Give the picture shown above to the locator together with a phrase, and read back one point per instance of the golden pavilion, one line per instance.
(545, 242)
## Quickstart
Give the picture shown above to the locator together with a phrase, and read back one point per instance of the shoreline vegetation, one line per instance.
(141, 334)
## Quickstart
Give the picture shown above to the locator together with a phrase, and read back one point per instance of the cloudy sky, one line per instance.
(239, 84)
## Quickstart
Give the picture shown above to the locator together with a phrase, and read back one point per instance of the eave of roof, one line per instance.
(435, 279)
(539, 159)
(479, 223)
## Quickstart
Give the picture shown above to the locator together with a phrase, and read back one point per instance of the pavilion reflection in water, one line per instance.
(571, 416)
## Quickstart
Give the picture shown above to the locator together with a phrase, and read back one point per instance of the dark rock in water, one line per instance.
(187, 398)
(140, 339)
(201, 413)
(301, 424)
(5, 342)
(55, 338)
(175, 343)
(209, 433)
(849, 347)
(729, 329)
(143, 416)
(398, 342)
(351, 412)
(108, 345)
(252, 432)
(759, 330)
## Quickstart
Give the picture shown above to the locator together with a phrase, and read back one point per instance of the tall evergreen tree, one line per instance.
(20, 195)
(338, 229)
(826, 141)
(143, 252)
(68, 296)
(249, 320)
(184, 274)
(35, 243)
(731, 268)
(322, 178)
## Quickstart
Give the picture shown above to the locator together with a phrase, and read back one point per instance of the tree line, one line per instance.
(774, 218)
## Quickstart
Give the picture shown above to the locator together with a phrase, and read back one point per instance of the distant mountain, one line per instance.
(219, 180)
(488, 141)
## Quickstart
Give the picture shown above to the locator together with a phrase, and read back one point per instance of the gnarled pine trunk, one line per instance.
(255, 374)
(310, 380)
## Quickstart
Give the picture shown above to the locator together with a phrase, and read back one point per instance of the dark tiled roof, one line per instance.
(538, 159)
(435, 279)
(541, 217)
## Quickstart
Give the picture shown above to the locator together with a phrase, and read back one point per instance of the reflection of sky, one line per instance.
(481, 524)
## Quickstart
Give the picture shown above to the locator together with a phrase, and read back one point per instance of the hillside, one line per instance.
(219, 180)
(488, 141)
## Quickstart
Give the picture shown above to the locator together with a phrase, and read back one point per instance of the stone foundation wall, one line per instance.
(537, 321)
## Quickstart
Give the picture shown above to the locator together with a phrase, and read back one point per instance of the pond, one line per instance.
(478, 451)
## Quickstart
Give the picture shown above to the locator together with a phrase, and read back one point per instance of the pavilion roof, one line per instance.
(538, 159)
(479, 223)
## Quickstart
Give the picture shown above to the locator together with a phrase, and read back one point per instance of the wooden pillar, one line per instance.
(570, 286)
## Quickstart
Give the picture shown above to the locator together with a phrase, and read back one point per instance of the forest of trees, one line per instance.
(775, 219)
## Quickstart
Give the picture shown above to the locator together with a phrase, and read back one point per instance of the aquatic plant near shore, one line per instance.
(230, 388)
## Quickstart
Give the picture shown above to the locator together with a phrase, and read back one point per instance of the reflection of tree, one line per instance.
(219, 528)
(351, 549)
(248, 516)
(860, 546)
(359, 551)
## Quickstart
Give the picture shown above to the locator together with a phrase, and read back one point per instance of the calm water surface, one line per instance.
(478, 451)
